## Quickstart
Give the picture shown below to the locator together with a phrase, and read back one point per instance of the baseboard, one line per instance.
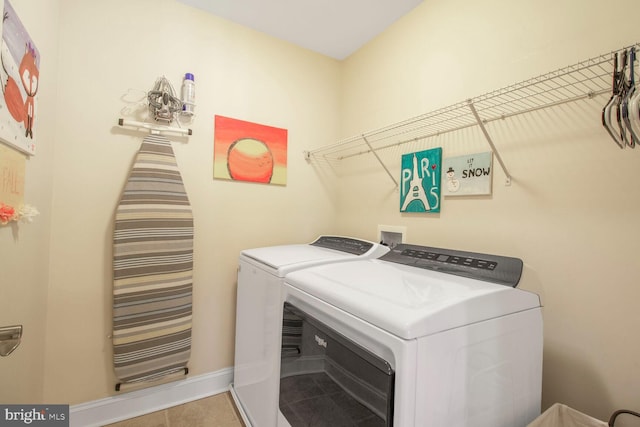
(135, 403)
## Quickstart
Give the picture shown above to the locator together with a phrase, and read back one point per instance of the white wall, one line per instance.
(572, 210)
(24, 248)
(108, 47)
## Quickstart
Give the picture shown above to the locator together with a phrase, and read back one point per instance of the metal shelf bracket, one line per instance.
(490, 141)
(380, 161)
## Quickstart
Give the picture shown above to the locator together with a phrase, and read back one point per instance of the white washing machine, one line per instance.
(422, 337)
(261, 273)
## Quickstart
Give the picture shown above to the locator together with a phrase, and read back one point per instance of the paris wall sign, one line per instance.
(420, 181)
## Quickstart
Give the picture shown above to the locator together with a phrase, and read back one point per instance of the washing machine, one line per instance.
(261, 273)
(422, 336)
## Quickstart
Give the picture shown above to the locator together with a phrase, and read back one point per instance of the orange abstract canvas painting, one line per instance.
(245, 151)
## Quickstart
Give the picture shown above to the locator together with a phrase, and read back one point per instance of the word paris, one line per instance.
(420, 181)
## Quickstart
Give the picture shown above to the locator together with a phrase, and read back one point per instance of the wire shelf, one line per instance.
(584, 80)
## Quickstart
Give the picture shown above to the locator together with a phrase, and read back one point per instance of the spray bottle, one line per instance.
(188, 95)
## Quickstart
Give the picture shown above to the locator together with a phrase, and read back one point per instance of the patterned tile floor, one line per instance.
(214, 411)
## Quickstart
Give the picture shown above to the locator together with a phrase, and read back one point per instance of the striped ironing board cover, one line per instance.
(152, 268)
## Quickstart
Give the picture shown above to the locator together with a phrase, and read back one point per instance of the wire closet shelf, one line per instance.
(585, 80)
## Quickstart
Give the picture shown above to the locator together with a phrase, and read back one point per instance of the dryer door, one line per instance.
(327, 379)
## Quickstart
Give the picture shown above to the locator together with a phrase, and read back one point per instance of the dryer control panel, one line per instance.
(490, 268)
(344, 244)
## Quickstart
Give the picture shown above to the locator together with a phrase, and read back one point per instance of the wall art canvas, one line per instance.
(246, 151)
(20, 76)
(420, 181)
(469, 175)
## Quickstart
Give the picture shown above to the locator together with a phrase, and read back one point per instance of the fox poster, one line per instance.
(19, 75)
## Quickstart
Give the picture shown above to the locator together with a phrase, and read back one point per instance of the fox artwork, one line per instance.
(22, 110)
(19, 78)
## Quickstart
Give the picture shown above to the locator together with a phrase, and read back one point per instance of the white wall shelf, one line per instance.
(584, 80)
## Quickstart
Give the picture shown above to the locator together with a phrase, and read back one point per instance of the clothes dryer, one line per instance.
(422, 336)
(261, 273)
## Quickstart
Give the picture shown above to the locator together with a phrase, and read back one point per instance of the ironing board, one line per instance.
(152, 268)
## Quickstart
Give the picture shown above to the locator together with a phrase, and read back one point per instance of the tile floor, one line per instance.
(215, 411)
(312, 400)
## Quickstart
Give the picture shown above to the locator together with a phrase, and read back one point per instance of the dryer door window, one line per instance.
(327, 379)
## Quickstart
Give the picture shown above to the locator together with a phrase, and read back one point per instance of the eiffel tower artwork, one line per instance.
(420, 181)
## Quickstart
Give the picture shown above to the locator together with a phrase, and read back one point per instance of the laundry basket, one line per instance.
(560, 415)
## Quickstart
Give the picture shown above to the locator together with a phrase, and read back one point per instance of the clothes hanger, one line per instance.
(631, 87)
(621, 105)
(633, 105)
(609, 109)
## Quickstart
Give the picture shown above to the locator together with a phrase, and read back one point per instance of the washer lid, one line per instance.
(285, 258)
(406, 301)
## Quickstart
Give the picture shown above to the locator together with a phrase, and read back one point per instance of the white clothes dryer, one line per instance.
(261, 273)
(422, 336)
